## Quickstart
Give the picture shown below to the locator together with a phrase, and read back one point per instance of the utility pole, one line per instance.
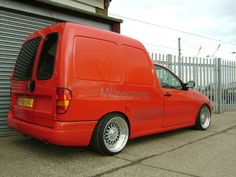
(179, 56)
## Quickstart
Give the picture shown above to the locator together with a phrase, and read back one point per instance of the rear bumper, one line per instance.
(63, 133)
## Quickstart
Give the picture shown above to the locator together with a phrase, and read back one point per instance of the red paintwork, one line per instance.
(105, 72)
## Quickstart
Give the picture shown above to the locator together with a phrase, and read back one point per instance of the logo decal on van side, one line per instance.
(115, 93)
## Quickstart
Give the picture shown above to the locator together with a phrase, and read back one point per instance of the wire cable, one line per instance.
(172, 29)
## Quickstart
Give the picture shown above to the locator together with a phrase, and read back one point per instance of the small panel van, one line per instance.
(74, 85)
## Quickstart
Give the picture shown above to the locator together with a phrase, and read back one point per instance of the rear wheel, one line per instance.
(111, 134)
(203, 120)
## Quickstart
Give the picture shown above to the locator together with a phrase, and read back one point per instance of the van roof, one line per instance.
(82, 30)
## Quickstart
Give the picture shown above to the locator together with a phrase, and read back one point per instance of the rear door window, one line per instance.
(47, 57)
(25, 62)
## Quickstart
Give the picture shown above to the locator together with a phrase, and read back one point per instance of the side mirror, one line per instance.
(190, 84)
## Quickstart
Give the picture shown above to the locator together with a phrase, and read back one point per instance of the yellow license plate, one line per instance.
(26, 102)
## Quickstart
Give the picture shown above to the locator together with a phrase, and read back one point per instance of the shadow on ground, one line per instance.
(39, 147)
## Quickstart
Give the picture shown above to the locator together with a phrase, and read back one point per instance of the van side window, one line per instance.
(25, 62)
(167, 79)
(47, 57)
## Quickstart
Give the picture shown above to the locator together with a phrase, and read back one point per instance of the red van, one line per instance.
(74, 85)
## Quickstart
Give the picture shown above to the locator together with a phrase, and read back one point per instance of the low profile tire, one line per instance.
(203, 119)
(111, 134)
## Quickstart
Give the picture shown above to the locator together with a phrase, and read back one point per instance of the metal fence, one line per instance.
(216, 78)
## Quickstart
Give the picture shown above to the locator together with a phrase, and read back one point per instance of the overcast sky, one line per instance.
(214, 19)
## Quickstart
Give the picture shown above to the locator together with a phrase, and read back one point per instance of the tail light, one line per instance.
(63, 99)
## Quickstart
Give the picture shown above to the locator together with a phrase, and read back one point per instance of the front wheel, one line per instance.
(111, 134)
(203, 119)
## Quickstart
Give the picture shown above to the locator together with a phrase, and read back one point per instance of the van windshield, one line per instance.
(47, 57)
(25, 62)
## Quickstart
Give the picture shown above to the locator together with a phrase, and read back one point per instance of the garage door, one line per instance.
(14, 28)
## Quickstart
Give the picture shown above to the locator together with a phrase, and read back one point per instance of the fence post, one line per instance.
(219, 88)
(169, 61)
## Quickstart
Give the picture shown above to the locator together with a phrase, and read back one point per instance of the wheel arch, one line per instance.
(96, 139)
(206, 104)
(200, 107)
(121, 113)
(197, 124)
(114, 112)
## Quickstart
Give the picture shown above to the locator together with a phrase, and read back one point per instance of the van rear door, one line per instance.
(22, 99)
(45, 82)
(34, 83)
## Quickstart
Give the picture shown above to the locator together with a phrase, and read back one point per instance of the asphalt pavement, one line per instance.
(184, 152)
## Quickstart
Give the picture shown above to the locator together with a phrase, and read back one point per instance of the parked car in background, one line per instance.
(229, 93)
(74, 85)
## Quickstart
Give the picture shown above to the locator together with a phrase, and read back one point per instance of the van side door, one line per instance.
(179, 103)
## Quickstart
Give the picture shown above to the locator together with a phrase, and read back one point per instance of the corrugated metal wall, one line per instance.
(14, 28)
